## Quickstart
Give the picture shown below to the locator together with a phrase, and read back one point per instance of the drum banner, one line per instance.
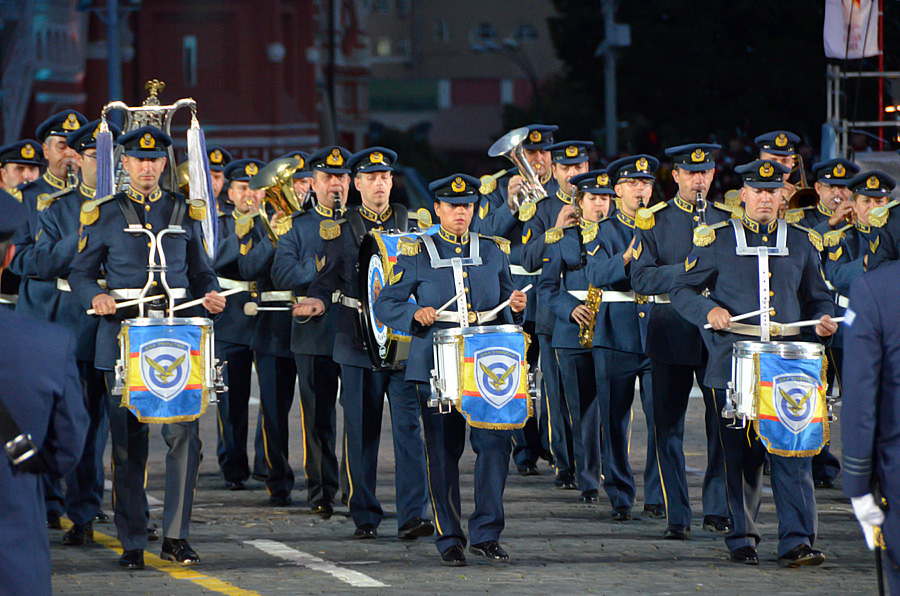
(165, 376)
(378, 278)
(793, 416)
(494, 380)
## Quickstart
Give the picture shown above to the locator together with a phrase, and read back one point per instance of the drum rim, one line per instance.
(167, 322)
(482, 329)
(782, 348)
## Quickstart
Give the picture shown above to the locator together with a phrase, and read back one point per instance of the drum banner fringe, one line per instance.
(387, 243)
(790, 402)
(165, 377)
(494, 380)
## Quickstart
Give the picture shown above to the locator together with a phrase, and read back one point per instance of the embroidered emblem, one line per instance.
(335, 158)
(698, 155)
(781, 140)
(766, 170)
(27, 151)
(458, 184)
(147, 141)
(251, 169)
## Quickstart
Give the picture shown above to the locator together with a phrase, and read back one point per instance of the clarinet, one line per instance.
(701, 207)
(338, 206)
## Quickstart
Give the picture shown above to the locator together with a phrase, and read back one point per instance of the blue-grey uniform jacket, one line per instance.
(564, 272)
(232, 326)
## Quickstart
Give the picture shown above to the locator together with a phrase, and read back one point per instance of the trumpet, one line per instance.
(510, 147)
(276, 180)
(586, 331)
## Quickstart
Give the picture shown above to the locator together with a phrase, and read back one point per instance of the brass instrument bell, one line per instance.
(276, 180)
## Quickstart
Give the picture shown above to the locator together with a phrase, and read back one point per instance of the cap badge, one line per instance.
(698, 155)
(571, 151)
(215, 156)
(535, 136)
(766, 170)
(94, 134)
(71, 122)
(458, 184)
(872, 182)
(781, 140)
(251, 169)
(376, 157)
(335, 158)
(839, 171)
(642, 164)
(603, 179)
(27, 151)
(300, 161)
(147, 141)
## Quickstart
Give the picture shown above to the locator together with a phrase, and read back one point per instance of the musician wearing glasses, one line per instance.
(105, 245)
(564, 289)
(499, 215)
(312, 341)
(717, 284)
(421, 271)
(363, 389)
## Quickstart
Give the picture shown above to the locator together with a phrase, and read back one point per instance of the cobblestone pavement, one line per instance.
(557, 546)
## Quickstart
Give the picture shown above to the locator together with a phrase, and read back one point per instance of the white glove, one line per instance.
(869, 515)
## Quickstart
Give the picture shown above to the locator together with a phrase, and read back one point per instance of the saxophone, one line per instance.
(586, 332)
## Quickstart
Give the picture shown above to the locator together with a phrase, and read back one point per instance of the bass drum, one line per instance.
(388, 349)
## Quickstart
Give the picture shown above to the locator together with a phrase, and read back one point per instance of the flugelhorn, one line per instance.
(510, 147)
(276, 180)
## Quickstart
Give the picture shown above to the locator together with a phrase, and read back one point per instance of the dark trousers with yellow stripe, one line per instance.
(232, 411)
(560, 430)
(318, 377)
(445, 440)
(672, 385)
(527, 443)
(84, 486)
(362, 398)
(825, 465)
(579, 386)
(130, 449)
(277, 376)
(792, 489)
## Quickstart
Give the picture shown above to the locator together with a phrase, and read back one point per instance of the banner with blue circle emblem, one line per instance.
(495, 381)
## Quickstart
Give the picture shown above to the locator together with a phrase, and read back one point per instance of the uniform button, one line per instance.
(467, 290)
(773, 313)
(458, 249)
(642, 314)
(465, 274)
(771, 294)
(148, 245)
(770, 274)
(148, 226)
(154, 283)
(253, 294)
(469, 306)
(146, 207)
(765, 238)
(696, 218)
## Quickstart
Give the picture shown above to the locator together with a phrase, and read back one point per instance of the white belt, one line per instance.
(348, 301)
(8, 298)
(519, 270)
(613, 296)
(63, 284)
(279, 296)
(134, 293)
(231, 284)
(453, 317)
(775, 330)
(336, 298)
(841, 301)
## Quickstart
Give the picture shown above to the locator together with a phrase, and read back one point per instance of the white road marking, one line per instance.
(287, 553)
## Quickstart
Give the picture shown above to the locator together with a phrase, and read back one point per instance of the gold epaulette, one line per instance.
(243, 225)
(527, 211)
(16, 193)
(409, 247)
(329, 229)
(706, 235)
(878, 216)
(44, 201)
(590, 232)
(553, 235)
(503, 243)
(816, 240)
(644, 218)
(197, 209)
(833, 238)
(736, 211)
(793, 216)
(423, 218)
(283, 226)
(90, 210)
(732, 197)
(488, 185)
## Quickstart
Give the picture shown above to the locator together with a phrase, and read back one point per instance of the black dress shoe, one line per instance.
(565, 481)
(746, 555)
(178, 550)
(152, 534)
(825, 483)
(101, 517)
(323, 510)
(235, 485)
(717, 523)
(589, 496)
(621, 514)
(802, 556)
(284, 501)
(528, 470)
(366, 532)
(453, 557)
(415, 528)
(489, 550)
(655, 511)
(132, 559)
(53, 522)
(675, 532)
(79, 535)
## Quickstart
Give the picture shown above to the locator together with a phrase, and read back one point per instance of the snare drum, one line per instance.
(781, 387)
(482, 371)
(167, 368)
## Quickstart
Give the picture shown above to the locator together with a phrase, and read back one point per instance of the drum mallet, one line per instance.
(251, 309)
(504, 304)
(746, 315)
(199, 301)
(134, 302)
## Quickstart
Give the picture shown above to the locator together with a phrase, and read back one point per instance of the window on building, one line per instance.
(484, 32)
(441, 30)
(403, 47)
(189, 60)
(383, 47)
(402, 8)
(382, 6)
(525, 32)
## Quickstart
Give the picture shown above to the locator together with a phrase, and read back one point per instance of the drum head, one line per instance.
(380, 341)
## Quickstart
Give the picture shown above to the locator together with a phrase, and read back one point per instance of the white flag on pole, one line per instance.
(857, 19)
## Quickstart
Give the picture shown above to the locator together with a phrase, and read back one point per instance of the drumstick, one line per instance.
(503, 304)
(448, 303)
(746, 315)
(810, 322)
(200, 300)
(119, 305)
(251, 308)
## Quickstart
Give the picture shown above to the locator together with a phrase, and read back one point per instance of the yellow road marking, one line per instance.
(175, 570)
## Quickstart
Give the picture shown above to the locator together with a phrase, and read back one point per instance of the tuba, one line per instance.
(586, 332)
(276, 180)
(510, 146)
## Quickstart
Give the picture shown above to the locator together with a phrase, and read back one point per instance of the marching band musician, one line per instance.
(727, 268)
(620, 339)
(20, 163)
(103, 244)
(234, 329)
(422, 274)
(564, 289)
(56, 247)
(219, 159)
(886, 247)
(312, 342)
(568, 159)
(363, 389)
(302, 176)
(834, 206)
(498, 215)
(674, 345)
(780, 146)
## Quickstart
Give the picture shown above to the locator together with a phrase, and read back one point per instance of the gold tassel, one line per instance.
(816, 240)
(242, 226)
(553, 235)
(44, 201)
(408, 247)
(644, 219)
(197, 210)
(704, 235)
(878, 216)
(792, 216)
(526, 212)
(284, 225)
(424, 218)
(89, 213)
(488, 185)
(329, 230)
(590, 232)
(503, 243)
